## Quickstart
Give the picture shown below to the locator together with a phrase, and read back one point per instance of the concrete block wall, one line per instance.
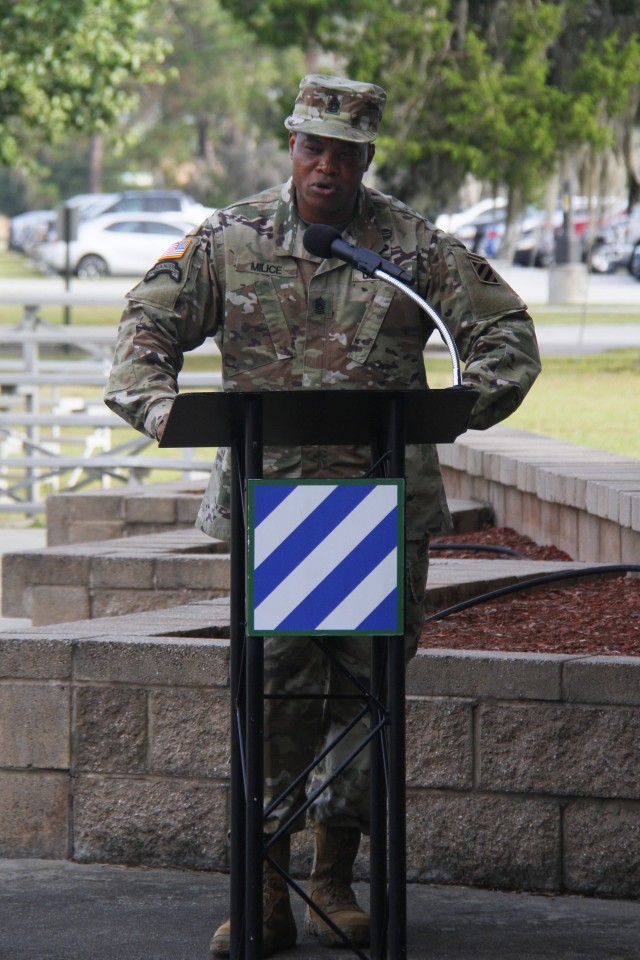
(99, 578)
(585, 502)
(160, 570)
(103, 752)
(142, 509)
(126, 511)
(113, 577)
(523, 770)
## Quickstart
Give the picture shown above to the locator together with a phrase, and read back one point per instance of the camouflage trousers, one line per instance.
(298, 730)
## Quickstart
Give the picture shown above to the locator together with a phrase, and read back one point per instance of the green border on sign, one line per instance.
(327, 481)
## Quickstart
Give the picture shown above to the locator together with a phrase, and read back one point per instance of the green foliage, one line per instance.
(500, 90)
(70, 65)
(312, 23)
(503, 91)
(214, 119)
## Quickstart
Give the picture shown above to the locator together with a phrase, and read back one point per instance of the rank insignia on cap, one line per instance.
(333, 106)
(176, 250)
(484, 271)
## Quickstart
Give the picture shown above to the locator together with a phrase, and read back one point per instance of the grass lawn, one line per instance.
(592, 400)
(94, 316)
(576, 316)
(14, 265)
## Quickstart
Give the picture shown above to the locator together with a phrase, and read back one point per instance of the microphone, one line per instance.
(324, 241)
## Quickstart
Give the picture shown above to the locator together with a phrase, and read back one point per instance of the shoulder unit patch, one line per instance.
(483, 270)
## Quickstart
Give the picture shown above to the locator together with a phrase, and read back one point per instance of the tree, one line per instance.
(210, 128)
(597, 61)
(503, 91)
(69, 66)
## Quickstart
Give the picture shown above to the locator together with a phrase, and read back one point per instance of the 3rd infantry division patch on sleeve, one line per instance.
(484, 271)
(176, 250)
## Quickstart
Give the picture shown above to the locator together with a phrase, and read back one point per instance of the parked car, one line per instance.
(30, 228)
(634, 263)
(614, 243)
(482, 211)
(139, 201)
(115, 244)
(535, 246)
(169, 203)
(534, 236)
(481, 227)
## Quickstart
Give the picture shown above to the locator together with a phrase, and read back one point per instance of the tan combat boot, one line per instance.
(330, 887)
(278, 926)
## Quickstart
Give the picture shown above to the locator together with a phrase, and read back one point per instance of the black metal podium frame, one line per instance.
(246, 422)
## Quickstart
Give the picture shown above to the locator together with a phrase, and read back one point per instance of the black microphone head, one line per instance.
(318, 238)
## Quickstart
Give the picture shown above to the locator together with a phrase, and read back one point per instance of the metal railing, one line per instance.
(55, 432)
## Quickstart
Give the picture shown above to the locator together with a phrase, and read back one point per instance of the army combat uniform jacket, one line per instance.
(284, 319)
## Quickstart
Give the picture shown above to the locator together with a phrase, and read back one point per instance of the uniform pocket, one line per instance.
(387, 340)
(256, 330)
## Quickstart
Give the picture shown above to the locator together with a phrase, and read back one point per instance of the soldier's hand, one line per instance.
(161, 424)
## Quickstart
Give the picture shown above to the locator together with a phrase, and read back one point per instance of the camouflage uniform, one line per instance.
(283, 319)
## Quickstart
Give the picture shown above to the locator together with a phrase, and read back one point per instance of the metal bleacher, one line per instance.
(55, 432)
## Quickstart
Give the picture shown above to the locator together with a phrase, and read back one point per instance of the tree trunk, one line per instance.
(96, 158)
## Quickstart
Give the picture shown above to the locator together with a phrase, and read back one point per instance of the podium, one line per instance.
(387, 421)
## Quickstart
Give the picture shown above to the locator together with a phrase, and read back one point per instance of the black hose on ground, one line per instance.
(535, 582)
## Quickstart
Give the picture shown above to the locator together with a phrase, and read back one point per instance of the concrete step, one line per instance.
(125, 574)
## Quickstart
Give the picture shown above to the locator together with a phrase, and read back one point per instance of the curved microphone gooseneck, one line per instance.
(324, 241)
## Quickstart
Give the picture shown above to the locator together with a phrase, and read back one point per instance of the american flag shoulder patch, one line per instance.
(484, 271)
(176, 250)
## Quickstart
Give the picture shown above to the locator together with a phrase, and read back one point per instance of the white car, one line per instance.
(115, 245)
(488, 209)
(30, 228)
(174, 203)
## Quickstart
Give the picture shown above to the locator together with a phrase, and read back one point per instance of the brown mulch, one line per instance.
(596, 617)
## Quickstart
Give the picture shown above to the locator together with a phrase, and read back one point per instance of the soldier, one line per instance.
(284, 319)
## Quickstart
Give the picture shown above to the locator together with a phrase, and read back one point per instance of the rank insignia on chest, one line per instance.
(176, 250)
(321, 306)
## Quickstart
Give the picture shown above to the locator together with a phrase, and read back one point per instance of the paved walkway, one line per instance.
(55, 910)
(574, 339)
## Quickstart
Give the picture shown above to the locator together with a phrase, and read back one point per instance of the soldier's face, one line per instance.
(326, 174)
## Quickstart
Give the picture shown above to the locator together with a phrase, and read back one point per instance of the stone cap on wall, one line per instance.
(605, 485)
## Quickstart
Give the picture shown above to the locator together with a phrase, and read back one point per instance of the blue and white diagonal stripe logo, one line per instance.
(325, 557)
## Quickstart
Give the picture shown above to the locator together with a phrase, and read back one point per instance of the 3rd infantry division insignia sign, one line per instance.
(325, 557)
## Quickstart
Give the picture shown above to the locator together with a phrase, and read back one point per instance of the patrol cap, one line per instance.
(338, 108)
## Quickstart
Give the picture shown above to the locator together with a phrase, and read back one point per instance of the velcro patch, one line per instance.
(483, 270)
(321, 306)
(172, 270)
(176, 250)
